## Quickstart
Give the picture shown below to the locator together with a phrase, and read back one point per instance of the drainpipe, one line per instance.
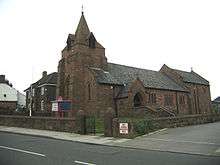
(115, 102)
(30, 110)
(177, 105)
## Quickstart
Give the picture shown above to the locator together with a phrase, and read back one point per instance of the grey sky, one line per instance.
(140, 33)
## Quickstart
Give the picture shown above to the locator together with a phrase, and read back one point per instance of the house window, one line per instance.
(29, 94)
(33, 106)
(168, 100)
(42, 90)
(182, 100)
(138, 100)
(152, 98)
(89, 91)
(33, 92)
(42, 105)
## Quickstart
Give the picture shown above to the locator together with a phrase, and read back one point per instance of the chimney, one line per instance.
(2, 78)
(44, 74)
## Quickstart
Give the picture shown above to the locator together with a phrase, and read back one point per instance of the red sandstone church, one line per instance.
(93, 85)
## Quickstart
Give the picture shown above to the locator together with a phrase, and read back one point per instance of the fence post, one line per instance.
(108, 117)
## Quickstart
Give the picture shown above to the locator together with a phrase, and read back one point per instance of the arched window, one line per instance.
(138, 100)
(89, 91)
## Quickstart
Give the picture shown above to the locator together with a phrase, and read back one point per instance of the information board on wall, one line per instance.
(123, 128)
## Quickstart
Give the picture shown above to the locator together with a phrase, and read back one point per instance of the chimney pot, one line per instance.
(2, 78)
(44, 74)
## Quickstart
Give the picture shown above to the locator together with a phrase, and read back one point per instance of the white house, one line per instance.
(10, 98)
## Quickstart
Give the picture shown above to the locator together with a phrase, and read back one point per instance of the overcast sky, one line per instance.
(140, 33)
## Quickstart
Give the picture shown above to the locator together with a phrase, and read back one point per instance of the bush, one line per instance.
(142, 127)
(99, 125)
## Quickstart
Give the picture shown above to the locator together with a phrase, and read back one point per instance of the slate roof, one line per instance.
(120, 75)
(49, 79)
(104, 77)
(192, 77)
(217, 100)
(150, 79)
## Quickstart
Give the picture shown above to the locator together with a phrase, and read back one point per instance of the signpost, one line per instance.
(60, 105)
(123, 128)
(54, 106)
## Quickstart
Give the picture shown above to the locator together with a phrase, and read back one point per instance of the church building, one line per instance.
(86, 78)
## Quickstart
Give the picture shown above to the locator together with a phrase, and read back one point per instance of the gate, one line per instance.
(90, 125)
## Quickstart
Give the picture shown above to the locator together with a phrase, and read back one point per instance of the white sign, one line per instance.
(55, 107)
(123, 128)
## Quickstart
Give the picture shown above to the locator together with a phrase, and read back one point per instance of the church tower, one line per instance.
(81, 52)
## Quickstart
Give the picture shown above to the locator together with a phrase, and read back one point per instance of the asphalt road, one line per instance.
(201, 139)
(29, 150)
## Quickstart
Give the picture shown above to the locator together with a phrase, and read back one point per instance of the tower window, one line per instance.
(92, 41)
(69, 42)
(4, 95)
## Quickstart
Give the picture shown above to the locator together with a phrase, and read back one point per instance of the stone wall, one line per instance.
(168, 122)
(45, 123)
(8, 105)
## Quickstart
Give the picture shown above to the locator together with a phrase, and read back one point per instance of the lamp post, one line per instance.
(30, 109)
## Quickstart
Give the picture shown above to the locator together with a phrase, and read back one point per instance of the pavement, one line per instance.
(200, 139)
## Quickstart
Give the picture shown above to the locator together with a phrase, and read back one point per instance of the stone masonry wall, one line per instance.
(8, 105)
(45, 123)
(125, 106)
(200, 98)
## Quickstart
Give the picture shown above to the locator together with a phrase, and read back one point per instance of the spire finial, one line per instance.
(191, 69)
(82, 9)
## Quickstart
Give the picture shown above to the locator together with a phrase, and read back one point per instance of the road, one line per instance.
(18, 149)
(201, 139)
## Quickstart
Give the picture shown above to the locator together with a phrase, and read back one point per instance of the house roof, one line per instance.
(192, 77)
(121, 74)
(48, 79)
(217, 100)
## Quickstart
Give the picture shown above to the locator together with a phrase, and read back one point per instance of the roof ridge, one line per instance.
(181, 70)
(134, 67)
